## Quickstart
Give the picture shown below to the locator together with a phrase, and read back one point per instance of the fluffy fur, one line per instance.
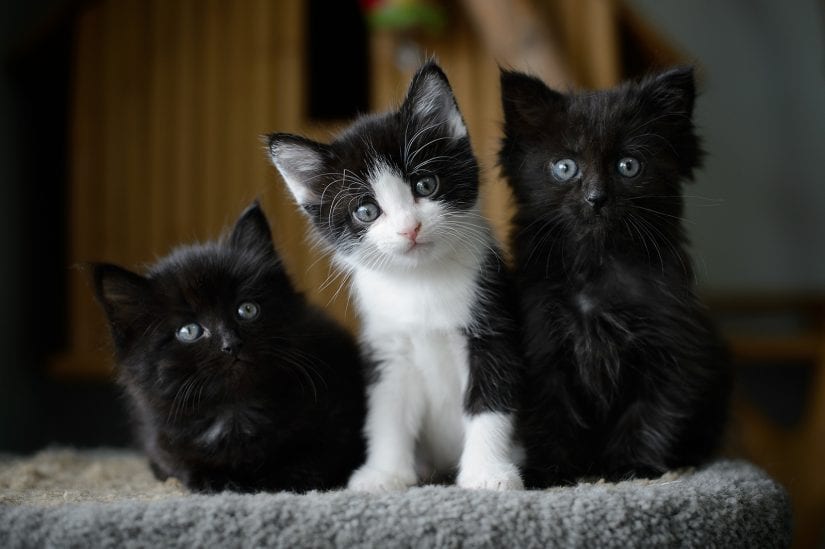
(270, 402)
(626, 376)
(436, 303)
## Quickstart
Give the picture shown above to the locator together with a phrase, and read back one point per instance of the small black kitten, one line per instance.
(626, 376)
(235, 381)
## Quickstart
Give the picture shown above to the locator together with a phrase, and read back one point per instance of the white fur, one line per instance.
(297, 164)
(487, 460)
(216, 431)
(415, 302)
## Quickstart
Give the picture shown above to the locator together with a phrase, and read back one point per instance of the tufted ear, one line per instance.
(431, 99)
(251, 232)
(300, 162)
(673, 94)
(674, 90)
(527, 101)
(123, 295)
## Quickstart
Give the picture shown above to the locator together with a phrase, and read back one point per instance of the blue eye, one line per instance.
(629, 167)
(565, 170)
(367, 212)
(426, 186)
(248, 310)
(189, 333)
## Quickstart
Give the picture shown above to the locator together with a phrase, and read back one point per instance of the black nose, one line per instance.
(231, 344)
(231, 349)
(596, 198)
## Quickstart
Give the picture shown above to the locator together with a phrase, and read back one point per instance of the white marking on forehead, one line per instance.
(391, 191)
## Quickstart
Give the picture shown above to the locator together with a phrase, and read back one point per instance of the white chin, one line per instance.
(410, 257)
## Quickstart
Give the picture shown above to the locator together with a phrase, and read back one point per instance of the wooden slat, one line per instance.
(261, 102)
(591, 39)
(168, 101)
(516, 37)
(159, 179)
(806, 347)
(386, 82)
(276, 198)
(182, 188)
(112, 239)
(84, 194)
(212, 53)
(766, 302)
(599, 31)
(236, 123)
(138, 83)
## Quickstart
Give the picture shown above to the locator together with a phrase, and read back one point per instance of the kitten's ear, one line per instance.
(431, 99)
(674, 89)
(123, 295)
(526, 100)
(673, 92)
(300, 161)
(252, 232)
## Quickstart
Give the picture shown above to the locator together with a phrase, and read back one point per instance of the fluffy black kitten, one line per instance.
(235, 381)
(626, 375)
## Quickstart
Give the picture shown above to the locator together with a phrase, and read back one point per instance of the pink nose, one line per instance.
(412, 232)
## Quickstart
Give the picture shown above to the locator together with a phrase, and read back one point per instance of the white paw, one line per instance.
(368, 479)
(500, 477)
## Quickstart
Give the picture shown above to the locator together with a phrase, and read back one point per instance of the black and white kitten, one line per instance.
(396, 196)
(234, 380)
(626, 376)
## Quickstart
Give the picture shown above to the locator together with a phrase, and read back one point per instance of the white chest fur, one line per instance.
(434, 299)
(414, 323)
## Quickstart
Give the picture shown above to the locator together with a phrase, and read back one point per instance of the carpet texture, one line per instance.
(66, 498)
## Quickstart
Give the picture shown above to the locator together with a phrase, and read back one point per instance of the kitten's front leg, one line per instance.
(487, 458)
(643, 441)
(395, 410)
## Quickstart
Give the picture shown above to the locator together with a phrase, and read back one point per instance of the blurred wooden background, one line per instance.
(169, 99)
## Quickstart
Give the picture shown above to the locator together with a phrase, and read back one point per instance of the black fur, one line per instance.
(274, 403)
(626, 376)
(494, 343)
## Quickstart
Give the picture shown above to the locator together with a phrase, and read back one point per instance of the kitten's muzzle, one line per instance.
(411, 232)
(231, 344)
(596, 196)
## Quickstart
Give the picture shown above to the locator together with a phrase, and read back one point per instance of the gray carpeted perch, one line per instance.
(64, 498)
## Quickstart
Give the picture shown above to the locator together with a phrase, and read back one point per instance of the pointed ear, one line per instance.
(431, 99)
(674, 90)
(252, 232)
(673, 94)
(115, 287)
(300, 162)
(122, 294)
(526, 100)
